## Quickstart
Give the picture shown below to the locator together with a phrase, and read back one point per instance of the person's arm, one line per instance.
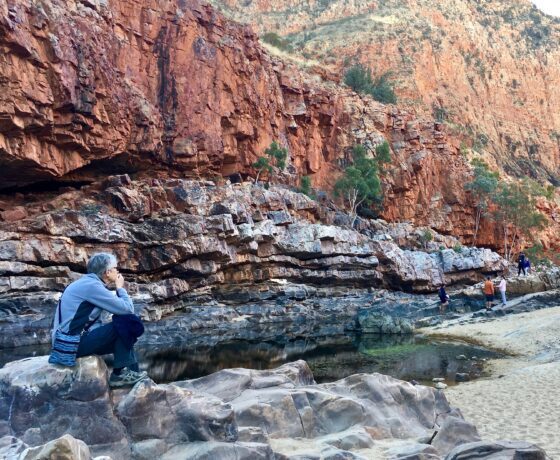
(101, 297)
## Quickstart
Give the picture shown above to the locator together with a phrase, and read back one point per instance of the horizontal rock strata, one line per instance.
(196, 247)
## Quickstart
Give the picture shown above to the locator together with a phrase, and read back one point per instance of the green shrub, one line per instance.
(426, 237)
(383, 153)
(360, 80)
(440, 114)
(277, 41)
(305, 187)
(360, 185)
(276, 158)
(278, 154)
(482, 187)
(382, 90)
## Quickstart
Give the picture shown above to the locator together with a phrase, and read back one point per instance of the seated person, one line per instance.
(79, 312)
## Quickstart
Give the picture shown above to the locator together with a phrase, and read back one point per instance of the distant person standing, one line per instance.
(443, 299)
(502, 288)
(521, 264)
(488, 290)
(527, 266)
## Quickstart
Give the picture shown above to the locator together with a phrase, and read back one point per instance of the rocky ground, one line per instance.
(234, 413)
(516, 400)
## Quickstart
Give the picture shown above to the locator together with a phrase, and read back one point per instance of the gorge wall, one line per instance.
(172, 89)
(486, 68)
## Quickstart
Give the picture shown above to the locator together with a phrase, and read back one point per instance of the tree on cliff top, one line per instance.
(360, 184)
(482, 188)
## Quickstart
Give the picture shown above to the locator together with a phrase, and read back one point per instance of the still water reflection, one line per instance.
(330, 358)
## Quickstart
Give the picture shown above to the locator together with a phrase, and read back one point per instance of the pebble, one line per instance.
(438, 379)
(440, 386)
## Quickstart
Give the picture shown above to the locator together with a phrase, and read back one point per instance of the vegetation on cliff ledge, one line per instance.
(360, 80)
(275, 158)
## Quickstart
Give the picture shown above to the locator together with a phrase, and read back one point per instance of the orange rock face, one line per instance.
(148, 85)
(488, 68)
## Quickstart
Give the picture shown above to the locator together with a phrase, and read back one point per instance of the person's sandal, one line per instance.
(126, 378)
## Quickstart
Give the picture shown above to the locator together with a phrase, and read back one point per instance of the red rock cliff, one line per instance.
(171, 88)
(147, 85)
(488, 68)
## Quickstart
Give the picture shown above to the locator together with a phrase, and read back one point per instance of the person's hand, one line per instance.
(119, 282)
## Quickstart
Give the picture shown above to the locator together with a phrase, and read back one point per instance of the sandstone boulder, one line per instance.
(40, 402)
(175, 415)
(454, 431)
(63, 448)
(358, 400)
(235, 413)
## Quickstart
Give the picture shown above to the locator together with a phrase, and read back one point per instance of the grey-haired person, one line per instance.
(81, 307)
(502, 288)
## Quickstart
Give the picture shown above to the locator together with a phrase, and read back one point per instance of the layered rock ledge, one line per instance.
(211, 254)
(238, 413)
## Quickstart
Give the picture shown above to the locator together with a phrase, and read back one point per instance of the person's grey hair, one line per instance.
(101, 262)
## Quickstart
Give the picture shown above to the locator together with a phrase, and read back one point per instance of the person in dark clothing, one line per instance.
(521, 264)
(80, 310)
(527, 266)
(443, 299)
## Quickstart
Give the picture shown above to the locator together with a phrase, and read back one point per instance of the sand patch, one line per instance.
(521, 401)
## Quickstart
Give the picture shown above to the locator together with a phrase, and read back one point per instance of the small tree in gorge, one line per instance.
(382, 154)
(483, 187)
(262, 164)
(276, 158)
(360, 184)
(515, 212)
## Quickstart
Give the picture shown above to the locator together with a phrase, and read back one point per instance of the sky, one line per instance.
(549, 6)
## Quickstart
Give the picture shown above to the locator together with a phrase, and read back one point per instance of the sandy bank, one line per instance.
(521, 400)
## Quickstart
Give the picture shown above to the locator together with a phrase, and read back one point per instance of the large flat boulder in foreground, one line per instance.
(48, 411)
